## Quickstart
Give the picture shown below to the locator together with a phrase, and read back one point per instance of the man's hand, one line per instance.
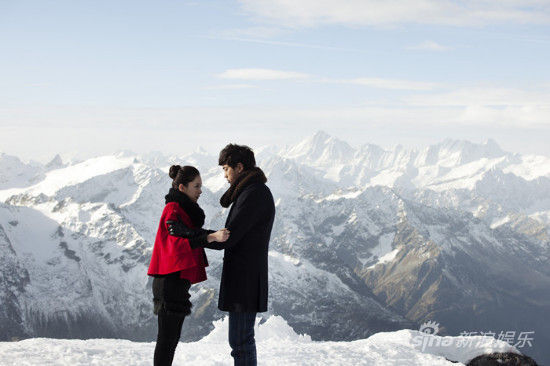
(219, 236)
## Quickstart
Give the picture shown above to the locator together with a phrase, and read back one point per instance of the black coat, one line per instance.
(243, 285)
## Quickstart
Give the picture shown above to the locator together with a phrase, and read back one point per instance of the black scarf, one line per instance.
(246, 178)
(191, 208)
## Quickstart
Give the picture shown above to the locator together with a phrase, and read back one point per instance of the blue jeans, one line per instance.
(241, 338)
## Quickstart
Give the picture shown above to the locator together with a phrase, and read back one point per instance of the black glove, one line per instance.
(178, 228)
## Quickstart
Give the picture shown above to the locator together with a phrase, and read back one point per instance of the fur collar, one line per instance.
(246, 178)
(196, 214)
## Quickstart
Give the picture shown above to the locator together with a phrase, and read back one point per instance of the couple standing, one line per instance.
(179, 260)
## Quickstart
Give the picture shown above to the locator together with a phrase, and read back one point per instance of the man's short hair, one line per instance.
(233, 154)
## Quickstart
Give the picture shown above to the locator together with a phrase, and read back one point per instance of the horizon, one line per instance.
(73, 158)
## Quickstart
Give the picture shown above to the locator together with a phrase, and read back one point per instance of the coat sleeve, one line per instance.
(248, 211)
(187, 232)
(172, 215)
(201, 240)
(195, 237)
(198, 238)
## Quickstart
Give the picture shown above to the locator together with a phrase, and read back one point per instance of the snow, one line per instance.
(28, 237)
(285, 257)
(383, 251)
(386, 258)
(338, 229)
(466, 175)
(72, 175)
(14, 173)
(531, 167)
(385, 178)
(347, 195)
(276, 342)
(321, 149)
(500, 221)
(216, 182)
(283, 267)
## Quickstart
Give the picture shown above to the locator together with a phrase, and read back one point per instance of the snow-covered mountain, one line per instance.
(15, 173)
(365, 240)
(81, 247)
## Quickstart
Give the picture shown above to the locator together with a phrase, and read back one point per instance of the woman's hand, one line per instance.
(219, 236)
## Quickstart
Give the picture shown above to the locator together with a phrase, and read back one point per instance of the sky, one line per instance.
(86, 78)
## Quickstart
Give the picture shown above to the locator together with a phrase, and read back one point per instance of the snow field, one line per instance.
(277, 344)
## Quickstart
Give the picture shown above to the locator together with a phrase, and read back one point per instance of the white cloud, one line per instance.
(429, 46)
(256, 32)
(483, 96)
(268, 74)
(261, 74)
(226, 36)
(489, 106)
(309, 13)
(229, 86)
(393, 84)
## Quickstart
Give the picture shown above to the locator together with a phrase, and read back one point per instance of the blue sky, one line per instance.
(84, 78)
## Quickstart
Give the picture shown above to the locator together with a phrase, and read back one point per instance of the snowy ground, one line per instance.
(277, 344)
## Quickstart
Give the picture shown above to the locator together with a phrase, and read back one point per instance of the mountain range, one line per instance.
(365, 240)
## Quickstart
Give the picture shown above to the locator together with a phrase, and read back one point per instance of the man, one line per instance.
(243, 288)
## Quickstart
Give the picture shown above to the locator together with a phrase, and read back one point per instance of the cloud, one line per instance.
(226, 36)
(393, 84)
(261, 74)
(269, 74)
(311, 13)
(255, 32)
(472, 106)
(429, 46)
(483, 96)
(229, 86)
(489, 106)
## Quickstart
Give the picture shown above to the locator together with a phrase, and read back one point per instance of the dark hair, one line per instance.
(182, 175)
(233, 154)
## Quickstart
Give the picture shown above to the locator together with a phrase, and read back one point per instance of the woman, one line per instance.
(178, 258)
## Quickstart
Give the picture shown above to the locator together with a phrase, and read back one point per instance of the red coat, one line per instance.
(172, 253)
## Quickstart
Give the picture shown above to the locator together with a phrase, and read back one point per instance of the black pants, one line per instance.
(172, 305)
(168, 337)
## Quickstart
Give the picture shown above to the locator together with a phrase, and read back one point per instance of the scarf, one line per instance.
(196, 214)
(247, 177)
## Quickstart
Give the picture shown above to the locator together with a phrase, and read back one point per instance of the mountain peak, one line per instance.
(5, 157)
(55, 163)
(201, 150)
(321, 148)
(320, 135)
(492, 145)
(453, 152)
(489, 144)
(371, 148)
(125, 153)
